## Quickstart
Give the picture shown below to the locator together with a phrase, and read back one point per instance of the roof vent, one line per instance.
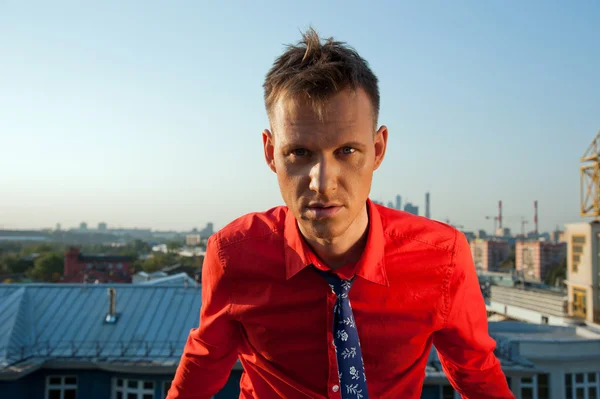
(111, 316)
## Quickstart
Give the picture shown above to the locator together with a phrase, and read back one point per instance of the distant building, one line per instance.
(583, 268)
(531, 304)
(160, 248)
(398, 202)
(83, 226)
(502, 232)
(390, 205)
(534, 259)
(470, 235)
(142, 234)
(177, 280)
(207, 231)
(142, 276)
(192, 240)
(488, 255)
(427, 206)
(102, 227)
(81, 268)
(410, 208)
(482, 234)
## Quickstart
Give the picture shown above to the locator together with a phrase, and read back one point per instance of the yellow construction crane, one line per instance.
(590, 180)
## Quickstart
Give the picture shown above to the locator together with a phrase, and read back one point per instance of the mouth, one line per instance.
(323, 210)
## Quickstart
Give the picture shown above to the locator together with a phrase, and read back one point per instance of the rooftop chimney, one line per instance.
(500, 214)
(111, 316)
(535, 216)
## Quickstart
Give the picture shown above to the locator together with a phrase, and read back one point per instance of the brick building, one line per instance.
(81, 268)
(534, 259)
(488, 255)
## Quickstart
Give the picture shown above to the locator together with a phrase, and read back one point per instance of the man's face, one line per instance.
(325, 167)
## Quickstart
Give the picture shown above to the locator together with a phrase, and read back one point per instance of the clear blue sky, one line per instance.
(149, 114)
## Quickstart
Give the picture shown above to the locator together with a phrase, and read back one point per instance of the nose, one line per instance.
(323, 176)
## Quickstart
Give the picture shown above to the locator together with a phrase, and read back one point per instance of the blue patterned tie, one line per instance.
(351, 369)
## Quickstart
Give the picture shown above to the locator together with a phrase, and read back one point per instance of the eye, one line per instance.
(299, 152)
(347, 150)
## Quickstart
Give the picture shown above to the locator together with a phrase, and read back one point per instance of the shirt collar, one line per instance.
(371, 265)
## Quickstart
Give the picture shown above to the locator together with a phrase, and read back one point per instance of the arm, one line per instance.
(464, 346)
(211, 349)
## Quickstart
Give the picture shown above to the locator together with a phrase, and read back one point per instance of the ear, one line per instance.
(269, 148)
(380, 144)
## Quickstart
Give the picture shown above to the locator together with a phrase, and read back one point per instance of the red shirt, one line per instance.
(416, 286)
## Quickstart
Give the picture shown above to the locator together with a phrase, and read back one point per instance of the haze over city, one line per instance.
(146, 115)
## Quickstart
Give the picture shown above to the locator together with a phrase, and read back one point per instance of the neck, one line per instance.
(347, 248)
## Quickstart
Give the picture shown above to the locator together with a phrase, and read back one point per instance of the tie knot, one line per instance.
(339, 286)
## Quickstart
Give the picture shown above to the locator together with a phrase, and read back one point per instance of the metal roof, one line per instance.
(68, 321)
(42, 323)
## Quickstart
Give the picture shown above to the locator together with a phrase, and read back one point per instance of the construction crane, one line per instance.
(456, 226)
(590, 180)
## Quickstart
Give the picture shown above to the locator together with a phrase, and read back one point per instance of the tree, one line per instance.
(174, 245)
(158, 261)
(140, 246)
(14, 265)
(48, 267)
(556, 273)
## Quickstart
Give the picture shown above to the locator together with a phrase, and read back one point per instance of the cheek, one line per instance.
(291, 184)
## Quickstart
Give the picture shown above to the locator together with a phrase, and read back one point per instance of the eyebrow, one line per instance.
(292, 146)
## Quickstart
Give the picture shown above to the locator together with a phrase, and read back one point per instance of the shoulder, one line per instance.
(404, 227)
(250, 227)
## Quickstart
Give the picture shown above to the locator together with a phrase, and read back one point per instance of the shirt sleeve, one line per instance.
(464, 346)
(211, 349)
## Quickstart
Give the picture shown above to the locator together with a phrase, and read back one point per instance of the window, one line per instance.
(579, 302)
(528, 390)
(577, 243)
(61, 387)
(124, 388)
(447, 392)
(543, 384)
(545, 320)
(582, 385)
(119, 266)
(535, 387)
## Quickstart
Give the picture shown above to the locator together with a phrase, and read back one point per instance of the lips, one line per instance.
(323, 210)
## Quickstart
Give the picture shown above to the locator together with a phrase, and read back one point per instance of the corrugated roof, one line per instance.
(15, 325)
(67, 320)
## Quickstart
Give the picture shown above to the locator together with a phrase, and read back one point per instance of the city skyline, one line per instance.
(512, 223)
(160, 128)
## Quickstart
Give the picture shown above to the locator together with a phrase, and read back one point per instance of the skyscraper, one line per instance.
(410, 208)
(398, 202)
(427, 208)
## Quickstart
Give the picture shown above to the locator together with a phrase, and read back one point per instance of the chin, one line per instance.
(322, 230)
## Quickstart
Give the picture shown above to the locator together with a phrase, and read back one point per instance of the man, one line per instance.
(334, 296)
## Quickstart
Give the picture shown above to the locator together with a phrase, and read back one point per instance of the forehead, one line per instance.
(345, 115)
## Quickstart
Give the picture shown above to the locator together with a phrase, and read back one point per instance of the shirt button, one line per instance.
(335, 388)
